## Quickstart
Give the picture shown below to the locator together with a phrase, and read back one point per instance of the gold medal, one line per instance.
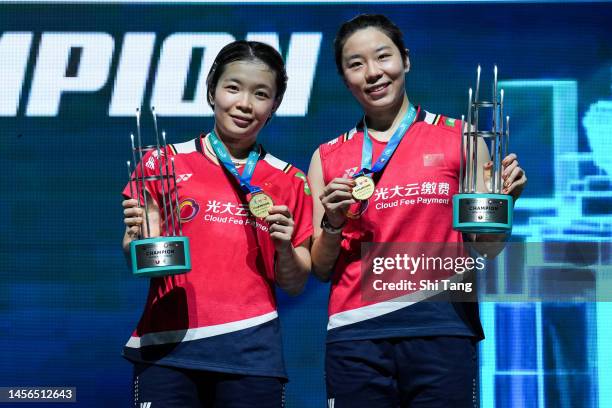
(260, 204)
(364, 188)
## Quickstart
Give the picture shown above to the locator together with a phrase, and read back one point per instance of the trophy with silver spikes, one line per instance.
(167, 254)
(480, 212)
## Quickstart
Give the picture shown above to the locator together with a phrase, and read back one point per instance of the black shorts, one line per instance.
(169, 387)
(415, 372)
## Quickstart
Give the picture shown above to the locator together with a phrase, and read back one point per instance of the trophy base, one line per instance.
(482, 213)
(160, 256)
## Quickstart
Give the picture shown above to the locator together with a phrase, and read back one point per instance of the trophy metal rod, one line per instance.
(500, 150)
(474, 157)
(461, 160)
(134, 161)
(485, 134)
(466, 183)
(483, 104)
(144, 192)
(494, 141)
(475, 135)
(474, 170)
(169, 185)
(129, 170)
(477, 84)
(507, 136)
(178, 208)
(161, 170)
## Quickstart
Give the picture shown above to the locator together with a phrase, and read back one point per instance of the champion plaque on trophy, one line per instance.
(473, 211)
(167, 254)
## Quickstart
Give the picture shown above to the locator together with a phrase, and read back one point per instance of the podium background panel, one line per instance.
(68, 302)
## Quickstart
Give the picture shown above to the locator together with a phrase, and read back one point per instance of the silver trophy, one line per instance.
(473, 211)
(167, 254)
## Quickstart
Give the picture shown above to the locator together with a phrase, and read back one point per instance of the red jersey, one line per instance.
(220, 316)
(412, 202)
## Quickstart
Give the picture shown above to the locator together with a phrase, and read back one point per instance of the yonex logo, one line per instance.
(145, 405)
(150, 163)
(331, 402)
(183, 177)
(348, 173)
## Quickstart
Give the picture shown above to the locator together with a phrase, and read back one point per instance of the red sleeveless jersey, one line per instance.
(412, 202)
(220, 316)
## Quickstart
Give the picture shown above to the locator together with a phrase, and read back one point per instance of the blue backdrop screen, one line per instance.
(71, 76)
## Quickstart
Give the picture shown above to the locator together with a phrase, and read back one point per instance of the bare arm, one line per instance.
(292, 268)
(292, 264)
(333, 201)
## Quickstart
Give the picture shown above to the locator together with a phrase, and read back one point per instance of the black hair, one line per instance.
(247, 51)
(361, 22)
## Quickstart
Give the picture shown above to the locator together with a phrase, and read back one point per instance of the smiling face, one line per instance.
(373, 69)
(244, 99)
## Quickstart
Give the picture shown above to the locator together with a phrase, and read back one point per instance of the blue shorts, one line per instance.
(415, 372)
(158, 386)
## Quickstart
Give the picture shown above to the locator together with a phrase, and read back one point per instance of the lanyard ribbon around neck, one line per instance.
(224, 157)
(366, 152)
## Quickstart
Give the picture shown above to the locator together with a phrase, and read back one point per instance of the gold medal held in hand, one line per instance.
(364, 188)
(260, 204)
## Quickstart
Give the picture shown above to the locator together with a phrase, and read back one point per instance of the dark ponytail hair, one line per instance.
(364, 21)
(248, 51)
